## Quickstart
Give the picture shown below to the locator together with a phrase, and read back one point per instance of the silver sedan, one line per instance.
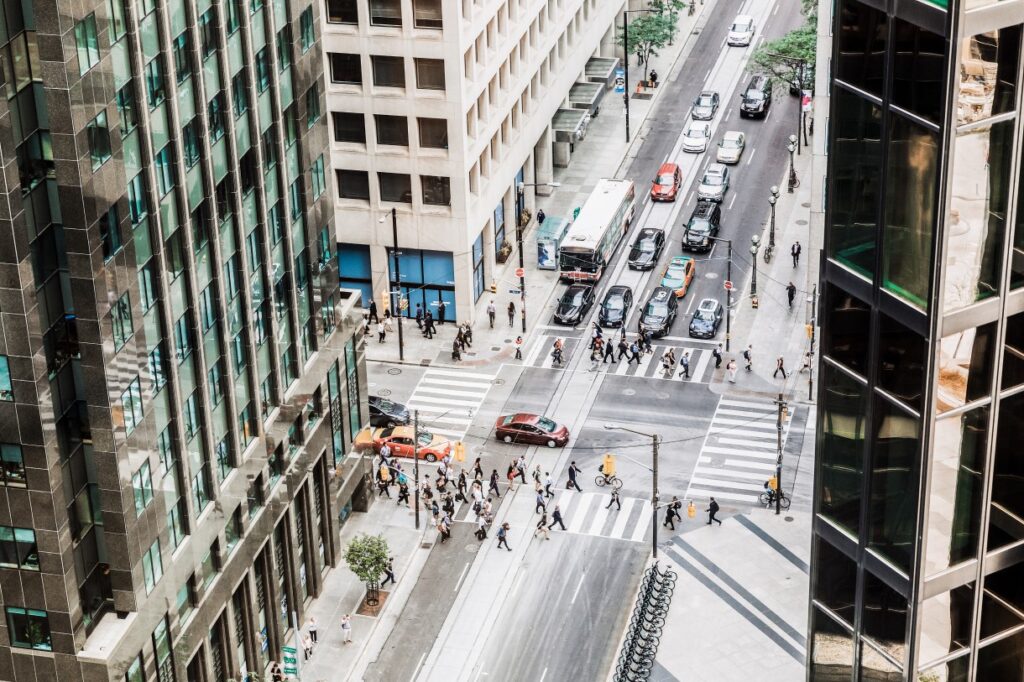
(695, 139)
(730, 149)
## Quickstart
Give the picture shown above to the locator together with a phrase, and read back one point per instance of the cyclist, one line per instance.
(769, 491)
(608, 467)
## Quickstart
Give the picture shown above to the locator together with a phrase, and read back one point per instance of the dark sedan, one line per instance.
(647, 248)
(615, 306)
(384, 413)
(532, 429)
(574, 304)
(660, 312)
(706, 319)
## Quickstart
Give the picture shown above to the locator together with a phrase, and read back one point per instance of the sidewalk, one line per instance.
(601, 154)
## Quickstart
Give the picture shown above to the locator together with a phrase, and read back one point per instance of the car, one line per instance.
(679, 274)
(730, 149)
(660, 312)
(742, 31)
(666, 184)
(695, 139)
(615, 306)
(714, 184)
(400, 441)
(702, 227)
(705, 106)
(756, 99)
(647, 248)
(384, 412)
(530, 428)
(706, 319)
(574, 304)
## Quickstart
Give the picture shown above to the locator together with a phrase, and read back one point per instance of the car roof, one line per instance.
(679, 260)
(524, 418)
(650, 231)
(716, 168)
(578, 286)
(743, 19)
(402, 432)
(695, 125)
(707, 93)
(708, 304)
(703, 208)
(660, 294)
(618, 289)
(667, 168)
(732, 135)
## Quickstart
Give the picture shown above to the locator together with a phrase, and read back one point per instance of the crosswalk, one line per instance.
(586, 514)
(650, 366)
(447, 399)
(739, 452)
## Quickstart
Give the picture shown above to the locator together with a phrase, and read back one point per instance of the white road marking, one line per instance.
(744, 403)
(599, 519)
(751, 157)
(727, 115)
(763, 466)
(620, 523)
(574, 595)
(732, 201)
(460, 373)
(641, 525)
(461, 577)
(776, 10)
(689, 197)
(750, 487)
(441, 390)
(543, 675)
(579, 514)
(694, 492)
(416, 670)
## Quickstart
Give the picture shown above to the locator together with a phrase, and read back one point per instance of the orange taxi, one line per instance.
(400, 440)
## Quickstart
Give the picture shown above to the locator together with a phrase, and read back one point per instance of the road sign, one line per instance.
(520, 272)
(290, 659)
(728, 285)
(514, 292)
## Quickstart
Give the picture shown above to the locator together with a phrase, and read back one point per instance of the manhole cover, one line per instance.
(801, 222)
(472, 548)
(498, 382)
(806, 204)
(711, 275)
(789, 518)
(494, 348)
(384, 392)
(629, 391)
(508, 340)
(394, 371)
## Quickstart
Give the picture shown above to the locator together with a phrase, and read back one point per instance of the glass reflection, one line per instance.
(1013, 351)
(894, 483)
(911, 186)
(831, 649)
(885, 616)
(919, 70)
(965, 367)
(843, 423)
(1017, 258)
(846, 330)
(856, 170)
(900, 361)
(861, 46)
(988, 74)
(835, 583)
(1006, 518)
(955, 499)
(874, 667)
(1002, 601)
(1002, 660)
(950, 671)
(946, 623)
(977, 214)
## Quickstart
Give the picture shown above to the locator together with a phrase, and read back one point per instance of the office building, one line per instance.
(440, 109)
(179, 375)
(918, 545)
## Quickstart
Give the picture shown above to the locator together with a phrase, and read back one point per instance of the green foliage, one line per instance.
(367, 556)
(648, 33)
(780, 58)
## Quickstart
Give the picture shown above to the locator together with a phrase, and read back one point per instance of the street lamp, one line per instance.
(625, 55)
(793, 182)
(772, 198)
(728, 291)
(396, 309)
(755, 243)
(520, 191)
(655, 439)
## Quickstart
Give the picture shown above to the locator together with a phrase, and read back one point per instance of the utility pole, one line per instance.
(654, 496)
(522, 259)
(396, 305)
(810, 330)
(625, 60)
(728, 298)
(416, 463)
(781, 404)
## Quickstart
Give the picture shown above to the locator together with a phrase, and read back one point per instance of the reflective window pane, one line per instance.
(988, 74)
(965, 367)
(1017, 260)
(861, 39)
(846, 329)
(919, 70)
(911, 188)
(843, 423)
(831, 649)
(856, 171)
(955, 498)
(1002, 660)
(1006, 518)
(950, 671)
(1002, 601)
(892, 514)
(900, 361)
(874, 667)
(885, 616)
(1013, 351)
(946, 623)
(835, 583)
(977, 214)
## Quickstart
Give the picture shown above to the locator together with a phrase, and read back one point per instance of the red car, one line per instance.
(666, 185)
(530, 428)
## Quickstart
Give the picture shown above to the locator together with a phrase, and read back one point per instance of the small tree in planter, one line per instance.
(367, 557)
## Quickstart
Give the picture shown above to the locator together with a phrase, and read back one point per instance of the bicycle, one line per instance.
(768, 500)
(614, 481)
(768, 250)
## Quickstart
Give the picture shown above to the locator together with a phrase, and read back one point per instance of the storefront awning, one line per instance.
(586, 96)
(569, 125)
(602, 70)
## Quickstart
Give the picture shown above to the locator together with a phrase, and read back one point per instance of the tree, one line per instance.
(780, 58)
(367, 557)
(648, 33)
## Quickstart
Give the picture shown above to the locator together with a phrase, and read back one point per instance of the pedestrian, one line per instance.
(346, 629)
(668, 362)
(481, 528)
(654, 78)
(373, 311)
(712, 510)
(548, 482)
(540, 216)
(503, 536)
(403, 493)
(366, 325)
(670, 517)
(595, 349)
(717, 354)
(731, 368)
(435, 510)
(387, 320)
(456, 350)
(311, 628)
(748, 357)
(445, 529)
(791, 294)
(634, 353)
(419, 317)
(511, 313)
(615, 500)
(275, 673)
(521, 468)
(307, 646)
(685, 364)
(556, 354)
(491, 312)
(645, 337)
(494, 483)
(542, 527)
(380, 332)
(556, 517)
(541, 504)
(806, 363)
(461, 486)
(573, 470)
(795, 252)
(428, 325)
(460, 339)
(779, 367)
(467, 334)
(389, 572)
(609, 352)
(623, 347)
(441, 307)
(510, 473)
(535, 475)
(519, 348)
(478, 470)
(639, 58)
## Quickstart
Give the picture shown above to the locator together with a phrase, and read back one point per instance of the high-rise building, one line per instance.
(918, 544)
(440, 109)
(179, 371)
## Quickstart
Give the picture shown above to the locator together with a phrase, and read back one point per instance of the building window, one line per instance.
(131, 404)
(232, 276)
(127, 109)
(436, 190)
(201, 489)
(179, 48)
(137, 204)
(185, 599)
(392, 130)
(342, 12)
(284, 48)
(13, 470)
(157, 369)
(136, 671)
(353, 184)
(386, 12)
(121, 320)
(239, 94)
(395, 187)
(155, 90)
(233, 21)
(318, 177)
(164, 656)
(388, 72)
(110, 233)
(233, 531)
(152, 566)
(6, 386)
(99, 140)
(346, 68)
(118, 26)
(87, 43)
(306, 31)
(433, 132)
(224, 463)
(349, 127)
(216, 109)
(312, 105)
(427, 14)
(175, 520)
(215, 383)
(165, 446)
(174, 255)
(142, 486)
(429, 74)
(262, 61)
(295, 199)
(190, 416)
(164, 162)
(147, 285)
(208, 32)
(18, 548)
(190, 142)
(208, 567)
(28, 628)
(182, 338)
(269, 141)
(247, 424)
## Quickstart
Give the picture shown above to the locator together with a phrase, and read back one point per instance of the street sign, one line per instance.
(514, 292)
(620, 81)
(291, 660)
(520, 272)
(576, 213)
(728, 285)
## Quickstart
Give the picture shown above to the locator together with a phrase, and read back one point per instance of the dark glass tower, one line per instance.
(918, 545)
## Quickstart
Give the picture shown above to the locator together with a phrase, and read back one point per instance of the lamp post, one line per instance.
(755, 243)
(655, 439)
(793, 182)
(625, 60)
(396, 309)
(772, 198)
(520, 191)
(728, 291)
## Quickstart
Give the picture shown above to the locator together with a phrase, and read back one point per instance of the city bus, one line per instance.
(588, 246)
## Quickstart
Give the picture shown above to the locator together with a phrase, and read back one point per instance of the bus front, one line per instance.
(578, 264)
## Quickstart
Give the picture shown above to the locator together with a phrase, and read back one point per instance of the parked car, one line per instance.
(532, 429)
(666, 184)
(742, 31)
(702, 226)
(756, 99)
(695, 139)
(705, 106)
(647, 248)
(679, 274)
(384, 412)
(574, 304)
(730, 149)
(714, 184)
(706, 319)
(660, 312)
(615, 307)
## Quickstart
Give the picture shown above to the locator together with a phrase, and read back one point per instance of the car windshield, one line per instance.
(704, 101)
(676, 271)
(699, 225)
(755, 95)
(573, 298)
(507, 420)
(695, 132)
(384, 405)
(656, 309)
(706, 314)
(731, 143)
(666, 179)
(546, 424)
(646, 244)
(614, 303)
(741, 26)
(425, 438)
(712, 179)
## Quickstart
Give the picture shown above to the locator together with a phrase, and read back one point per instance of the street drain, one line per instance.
(394, 371)
(384, 392)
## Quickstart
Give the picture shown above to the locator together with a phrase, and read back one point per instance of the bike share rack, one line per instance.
(636, 660)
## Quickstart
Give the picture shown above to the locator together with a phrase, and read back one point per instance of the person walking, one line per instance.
(494, 483)
(623, 348)
(503, 536)
(419, 317)
(307, 647)
(779, 367)
(596, 350)
(668, 362)
(748, 357)
(556, 517)
(540, 216)
(521, 468)
(731, 368)
(380, 332)
(573, 470)
(634, 353)
(557, 352)
(716, 353)
(519, 348)
(389, 573)
(456, 351)
(712, 510)
(685, 364)
(441, 307)
(311, 628)
(542, 527)
(478, 470)
(491, 312)
(609, 352)
(461, 486)
(795, 252)
(670, 517)
(615, 500)
(542, 504)
(373, 311)
(511, 314)
(346, 629)
(791, 294)
(403, 493)
(548, 482)
(535, 475)
(645, 338)
(428, 325)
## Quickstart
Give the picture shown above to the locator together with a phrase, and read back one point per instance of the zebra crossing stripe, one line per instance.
(580, 513)
(734, 485)
(735, 497)
(459, 373)
(763, 466)
(729, 473)
(641, 524)
(599, 519)
(702, 363)
(718, 450)
(747, 422)
(748, 444)
(742, 432)
(748, 404)
(449, 392)
(620, 523)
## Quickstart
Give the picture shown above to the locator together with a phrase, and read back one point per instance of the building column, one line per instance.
(490, 246)
(529, 178)
(608, 47)
(544, 170)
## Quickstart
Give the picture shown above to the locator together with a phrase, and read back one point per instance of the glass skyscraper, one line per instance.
(180, 375)
(918, 544)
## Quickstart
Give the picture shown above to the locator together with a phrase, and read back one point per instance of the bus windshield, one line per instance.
(569, 260)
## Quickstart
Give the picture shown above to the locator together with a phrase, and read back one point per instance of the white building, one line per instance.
(438, 109)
